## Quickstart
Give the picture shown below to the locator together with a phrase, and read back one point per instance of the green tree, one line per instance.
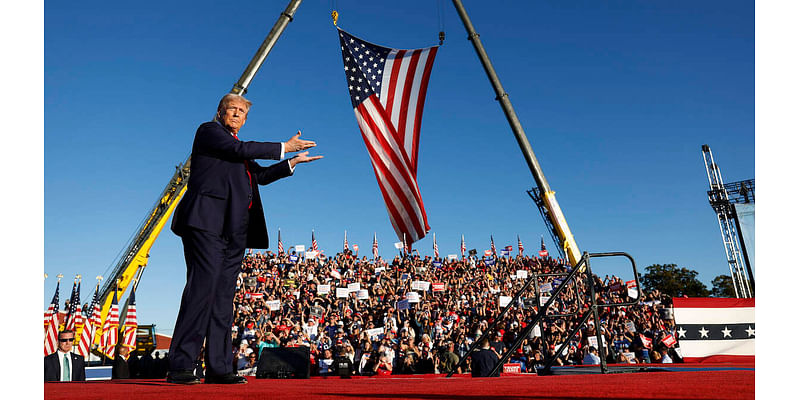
(673, 281)
(723, 287)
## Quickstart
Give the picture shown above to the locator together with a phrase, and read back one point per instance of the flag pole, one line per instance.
(554, 211)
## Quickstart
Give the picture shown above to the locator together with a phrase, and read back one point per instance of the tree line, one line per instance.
(678, 282)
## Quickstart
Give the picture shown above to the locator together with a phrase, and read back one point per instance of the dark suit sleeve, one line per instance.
(78, 368)
(267, 175)
(213, 140)
(51, 369)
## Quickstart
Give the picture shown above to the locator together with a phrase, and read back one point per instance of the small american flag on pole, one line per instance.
(494, 250)
(51, 325)
(314, 246)
(74, 303)
(129, 336)
(519, 245)
(375, 245)
(89, 329)
(435, 247)
(463, 246)
(346, 246)
(280, 243)
(108, 341)
(387, 90)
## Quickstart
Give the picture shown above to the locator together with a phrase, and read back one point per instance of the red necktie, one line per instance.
(249, 177)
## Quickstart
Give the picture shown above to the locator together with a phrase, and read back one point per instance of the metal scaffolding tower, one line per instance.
(722, 198)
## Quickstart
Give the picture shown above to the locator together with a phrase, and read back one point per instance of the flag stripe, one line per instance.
(705, 348)
(422, 91)
(397, 61)
(406, 192)
(395, 193)
(738, 315)
(406, 136)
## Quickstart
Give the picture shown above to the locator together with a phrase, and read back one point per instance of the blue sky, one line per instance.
(616, 99)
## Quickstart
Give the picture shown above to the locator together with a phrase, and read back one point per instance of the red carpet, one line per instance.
(701, 382)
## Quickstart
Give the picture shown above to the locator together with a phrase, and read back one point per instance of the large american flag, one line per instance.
(280, 243)
(108, 341)
(129, 336)
(313, 242)
(89, 329)
(51, 325)
(387, 90)
(375, 245)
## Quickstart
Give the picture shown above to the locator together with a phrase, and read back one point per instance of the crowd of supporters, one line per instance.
(281, 301)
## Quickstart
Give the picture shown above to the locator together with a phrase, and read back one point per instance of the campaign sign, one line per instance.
(336, 274)
(438, 286)
(437, 264)
(380, 269)
(593, 341)
(342, 292)
(512, 368)
(273, 305)
(631, 326)
(452, 257)
(669, 341)
(489, 261)
(354, 287)
(402, 305)
(545, 288)
(293, 258)
(537, 331)
(398, 245)
(504, 300)
(543, 300)
(420, 285)
(412, 297)
(632, 292)
(311, 254)
(363, 294)
(504, 253)
(375, 333)
(522, 274)
(323, 289)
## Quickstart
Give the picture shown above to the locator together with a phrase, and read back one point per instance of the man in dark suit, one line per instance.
(484, 360)
(219, 216)
(63, 365)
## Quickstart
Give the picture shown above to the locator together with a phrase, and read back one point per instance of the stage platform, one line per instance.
(675, 381)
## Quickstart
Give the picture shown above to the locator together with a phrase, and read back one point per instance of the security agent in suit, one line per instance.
(484, 360)
(63, 365)
(219, 216)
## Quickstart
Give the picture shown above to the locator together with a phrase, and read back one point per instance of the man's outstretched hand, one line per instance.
(302, 158)
(297, 144)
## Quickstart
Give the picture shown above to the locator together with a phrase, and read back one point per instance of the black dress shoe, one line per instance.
(182, 377)
(226, 379)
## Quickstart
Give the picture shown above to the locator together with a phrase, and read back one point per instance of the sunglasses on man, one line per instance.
(66, 339)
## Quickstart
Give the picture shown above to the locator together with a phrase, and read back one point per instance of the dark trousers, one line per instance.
(213, 263)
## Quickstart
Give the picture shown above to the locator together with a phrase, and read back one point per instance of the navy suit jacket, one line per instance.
(482, 363)
(219, 190)
(52, 368)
